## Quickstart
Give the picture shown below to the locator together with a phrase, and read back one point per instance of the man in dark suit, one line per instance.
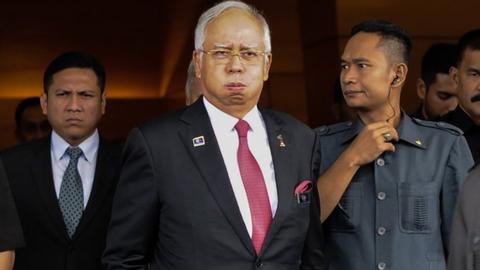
(63, 185)
(465, 239)
(220, 184)
(466, 75)
(11, 236)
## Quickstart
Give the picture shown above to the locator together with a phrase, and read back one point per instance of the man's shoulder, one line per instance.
(164, 123)
(472, 185)
(284, 118)
(436, 126)
(334, 129)
(21, 151)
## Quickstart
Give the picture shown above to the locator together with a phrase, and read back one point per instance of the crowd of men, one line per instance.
(224, 184)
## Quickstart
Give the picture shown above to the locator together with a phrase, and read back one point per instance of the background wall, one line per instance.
(146, 47)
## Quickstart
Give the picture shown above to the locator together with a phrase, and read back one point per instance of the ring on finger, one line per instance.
(387, 136)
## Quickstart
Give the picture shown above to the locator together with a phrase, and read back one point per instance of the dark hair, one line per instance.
(74, 60)
(22, 106)
(469, 40)
(394, 38)
(438, 59)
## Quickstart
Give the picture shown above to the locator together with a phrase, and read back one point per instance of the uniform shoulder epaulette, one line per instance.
(440, 125)
(332, 129)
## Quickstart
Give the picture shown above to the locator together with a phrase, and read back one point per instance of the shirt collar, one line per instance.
(89, 146)
(228, 122)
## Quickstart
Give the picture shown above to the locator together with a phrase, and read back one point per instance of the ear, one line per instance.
(266, 67)
(400, 75)
(43, 102)
(197, 61)
(104, 101)
(421, 89)
(453, 72)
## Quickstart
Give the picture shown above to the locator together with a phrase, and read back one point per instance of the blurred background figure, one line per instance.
(30, 123)
(193, 87)
(435, 87)
(466, 75)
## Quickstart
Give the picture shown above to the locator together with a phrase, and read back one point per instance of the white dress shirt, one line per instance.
(224, 128)
(86, 162)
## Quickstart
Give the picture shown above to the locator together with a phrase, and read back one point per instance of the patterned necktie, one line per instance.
(71, 192)
(254, 186)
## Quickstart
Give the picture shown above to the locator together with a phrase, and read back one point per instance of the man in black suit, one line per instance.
(220, 184)
(63, 185)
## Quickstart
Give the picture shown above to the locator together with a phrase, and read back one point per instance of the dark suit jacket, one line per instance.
(175, 208)
(29, 172)
(465, 236)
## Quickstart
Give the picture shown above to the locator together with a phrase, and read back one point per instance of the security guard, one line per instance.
(388, 183)
(467, 78)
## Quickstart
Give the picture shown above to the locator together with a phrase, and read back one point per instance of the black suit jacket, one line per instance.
(29, 172)
(175, 208)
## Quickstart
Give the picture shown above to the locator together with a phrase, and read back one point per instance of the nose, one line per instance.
(235, 64)
(348, 76)
(74, 103)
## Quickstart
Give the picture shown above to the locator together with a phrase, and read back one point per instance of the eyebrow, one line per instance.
(476, 70)
(242, 47)
(356, 60)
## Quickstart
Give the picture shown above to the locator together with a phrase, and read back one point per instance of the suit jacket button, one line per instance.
(259, 264)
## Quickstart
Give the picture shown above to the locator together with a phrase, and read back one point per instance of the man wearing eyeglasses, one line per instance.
(220, 184)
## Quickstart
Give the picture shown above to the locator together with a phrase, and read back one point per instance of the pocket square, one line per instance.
(303, 187)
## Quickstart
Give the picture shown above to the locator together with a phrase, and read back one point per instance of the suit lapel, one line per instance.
(43, 177)
(280, 142)
(210, 163)
(102, 183)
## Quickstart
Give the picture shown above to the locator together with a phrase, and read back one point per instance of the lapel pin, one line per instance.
(418, 142)
(281, 143)
(198, 141)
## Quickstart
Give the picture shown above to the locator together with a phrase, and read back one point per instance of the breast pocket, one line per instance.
(418, 207)
(346, 216)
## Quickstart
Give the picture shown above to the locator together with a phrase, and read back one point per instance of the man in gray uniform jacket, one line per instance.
(388, 183)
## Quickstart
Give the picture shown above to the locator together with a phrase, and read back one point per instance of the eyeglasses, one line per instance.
(247, 56)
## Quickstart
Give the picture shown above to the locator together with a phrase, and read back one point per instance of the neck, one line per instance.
(390, 114)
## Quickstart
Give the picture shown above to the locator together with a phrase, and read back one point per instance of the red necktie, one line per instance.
(254, 186)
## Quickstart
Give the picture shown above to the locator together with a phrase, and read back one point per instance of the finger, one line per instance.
(379, 133)
(388, 147)
(395, 136)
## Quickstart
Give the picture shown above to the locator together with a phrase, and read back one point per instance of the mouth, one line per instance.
(73, 120)
(352, 93)
(235, 86)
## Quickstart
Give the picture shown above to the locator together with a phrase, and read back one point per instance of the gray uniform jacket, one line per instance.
(465, 240)
(397, 210)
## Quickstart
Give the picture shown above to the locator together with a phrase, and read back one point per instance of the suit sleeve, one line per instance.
(313, 257)
(459, 163)
(458, 242)
(11, 236)
(135, 209)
